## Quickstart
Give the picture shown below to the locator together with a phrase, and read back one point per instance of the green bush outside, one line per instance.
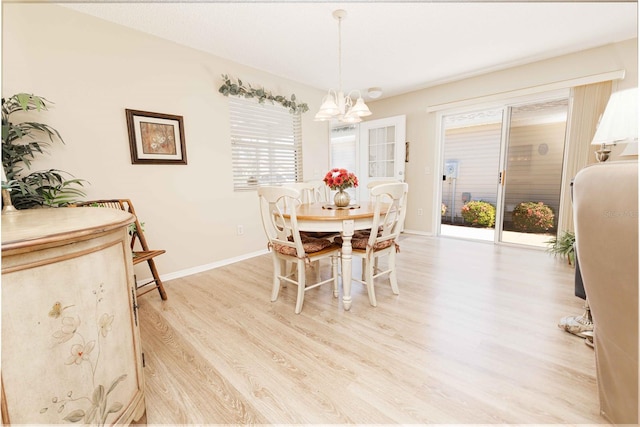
(532, 217)
(479, 213)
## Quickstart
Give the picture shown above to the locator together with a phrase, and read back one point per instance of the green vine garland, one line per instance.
(231, 87)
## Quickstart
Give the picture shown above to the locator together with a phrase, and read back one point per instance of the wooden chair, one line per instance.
(287, 245)
(390, 211)
(305, 189)
(311, 191)
(372, 184)
(141, 252)
(320, 191)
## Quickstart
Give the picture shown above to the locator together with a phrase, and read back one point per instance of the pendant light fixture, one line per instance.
(336, 105)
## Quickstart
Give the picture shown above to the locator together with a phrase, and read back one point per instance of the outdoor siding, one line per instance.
(537, 178)
(531, 175)
(477, 151)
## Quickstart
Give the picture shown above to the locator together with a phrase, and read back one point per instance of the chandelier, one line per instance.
(335, 105)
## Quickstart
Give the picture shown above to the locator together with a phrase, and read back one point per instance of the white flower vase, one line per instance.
(341, 199)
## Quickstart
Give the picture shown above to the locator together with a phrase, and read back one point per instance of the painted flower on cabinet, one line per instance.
(69, 327)
(94, 401)
(80, 353)
(105, 324)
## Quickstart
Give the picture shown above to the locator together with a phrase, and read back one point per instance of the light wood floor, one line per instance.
(472, 338)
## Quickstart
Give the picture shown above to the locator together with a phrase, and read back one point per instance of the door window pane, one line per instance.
(471, 159)
(533, 177)
(382, 152)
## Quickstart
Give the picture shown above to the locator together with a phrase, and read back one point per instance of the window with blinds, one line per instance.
(266, 144)
(343, 147)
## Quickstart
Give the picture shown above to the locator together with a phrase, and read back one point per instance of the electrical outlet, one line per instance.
(240, 230)
(419, 212)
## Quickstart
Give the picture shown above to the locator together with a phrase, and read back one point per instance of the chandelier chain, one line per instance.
(340, 54)
(335, 105)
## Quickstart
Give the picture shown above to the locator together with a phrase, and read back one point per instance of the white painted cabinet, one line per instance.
(70, 340)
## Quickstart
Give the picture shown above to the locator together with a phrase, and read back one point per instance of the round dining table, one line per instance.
(320, 217)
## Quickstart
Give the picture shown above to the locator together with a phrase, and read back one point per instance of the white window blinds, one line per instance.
(266, 144)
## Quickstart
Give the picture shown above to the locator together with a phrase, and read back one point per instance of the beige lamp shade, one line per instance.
(619, 123)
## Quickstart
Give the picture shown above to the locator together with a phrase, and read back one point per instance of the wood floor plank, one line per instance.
(204, 395)
(472, 338)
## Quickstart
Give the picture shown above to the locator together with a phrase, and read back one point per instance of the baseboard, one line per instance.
(222, 263)
(206, 267)
(418, 232)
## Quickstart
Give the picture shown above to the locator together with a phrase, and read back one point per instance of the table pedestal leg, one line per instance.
(347, 232)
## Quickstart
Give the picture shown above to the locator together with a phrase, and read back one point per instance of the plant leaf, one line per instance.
(230, 88)
(75, 416)
(115, 383)
(115, 407)
(98, 395)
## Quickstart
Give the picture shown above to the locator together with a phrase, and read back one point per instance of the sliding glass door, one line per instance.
(532, 175)
(472, 143)
(502, 171)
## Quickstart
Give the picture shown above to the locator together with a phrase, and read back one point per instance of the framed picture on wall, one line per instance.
(156, 138)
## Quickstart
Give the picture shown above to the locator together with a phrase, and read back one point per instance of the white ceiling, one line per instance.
(399, 46)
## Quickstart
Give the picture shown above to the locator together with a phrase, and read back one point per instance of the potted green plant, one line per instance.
(21, 143)
(564, 245)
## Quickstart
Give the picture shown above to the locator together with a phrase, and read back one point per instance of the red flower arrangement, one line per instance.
(340, 179)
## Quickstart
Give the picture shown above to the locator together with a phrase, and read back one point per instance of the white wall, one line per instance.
(423, 169)
(93, 70)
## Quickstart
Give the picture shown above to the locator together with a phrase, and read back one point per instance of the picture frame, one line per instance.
(156, 138)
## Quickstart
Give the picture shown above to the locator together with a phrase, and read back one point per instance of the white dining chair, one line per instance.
(321, 192)
(372, 184)
(312, 192)
(390, 211)
(307, 191)
(287, 245)
(315, 191)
